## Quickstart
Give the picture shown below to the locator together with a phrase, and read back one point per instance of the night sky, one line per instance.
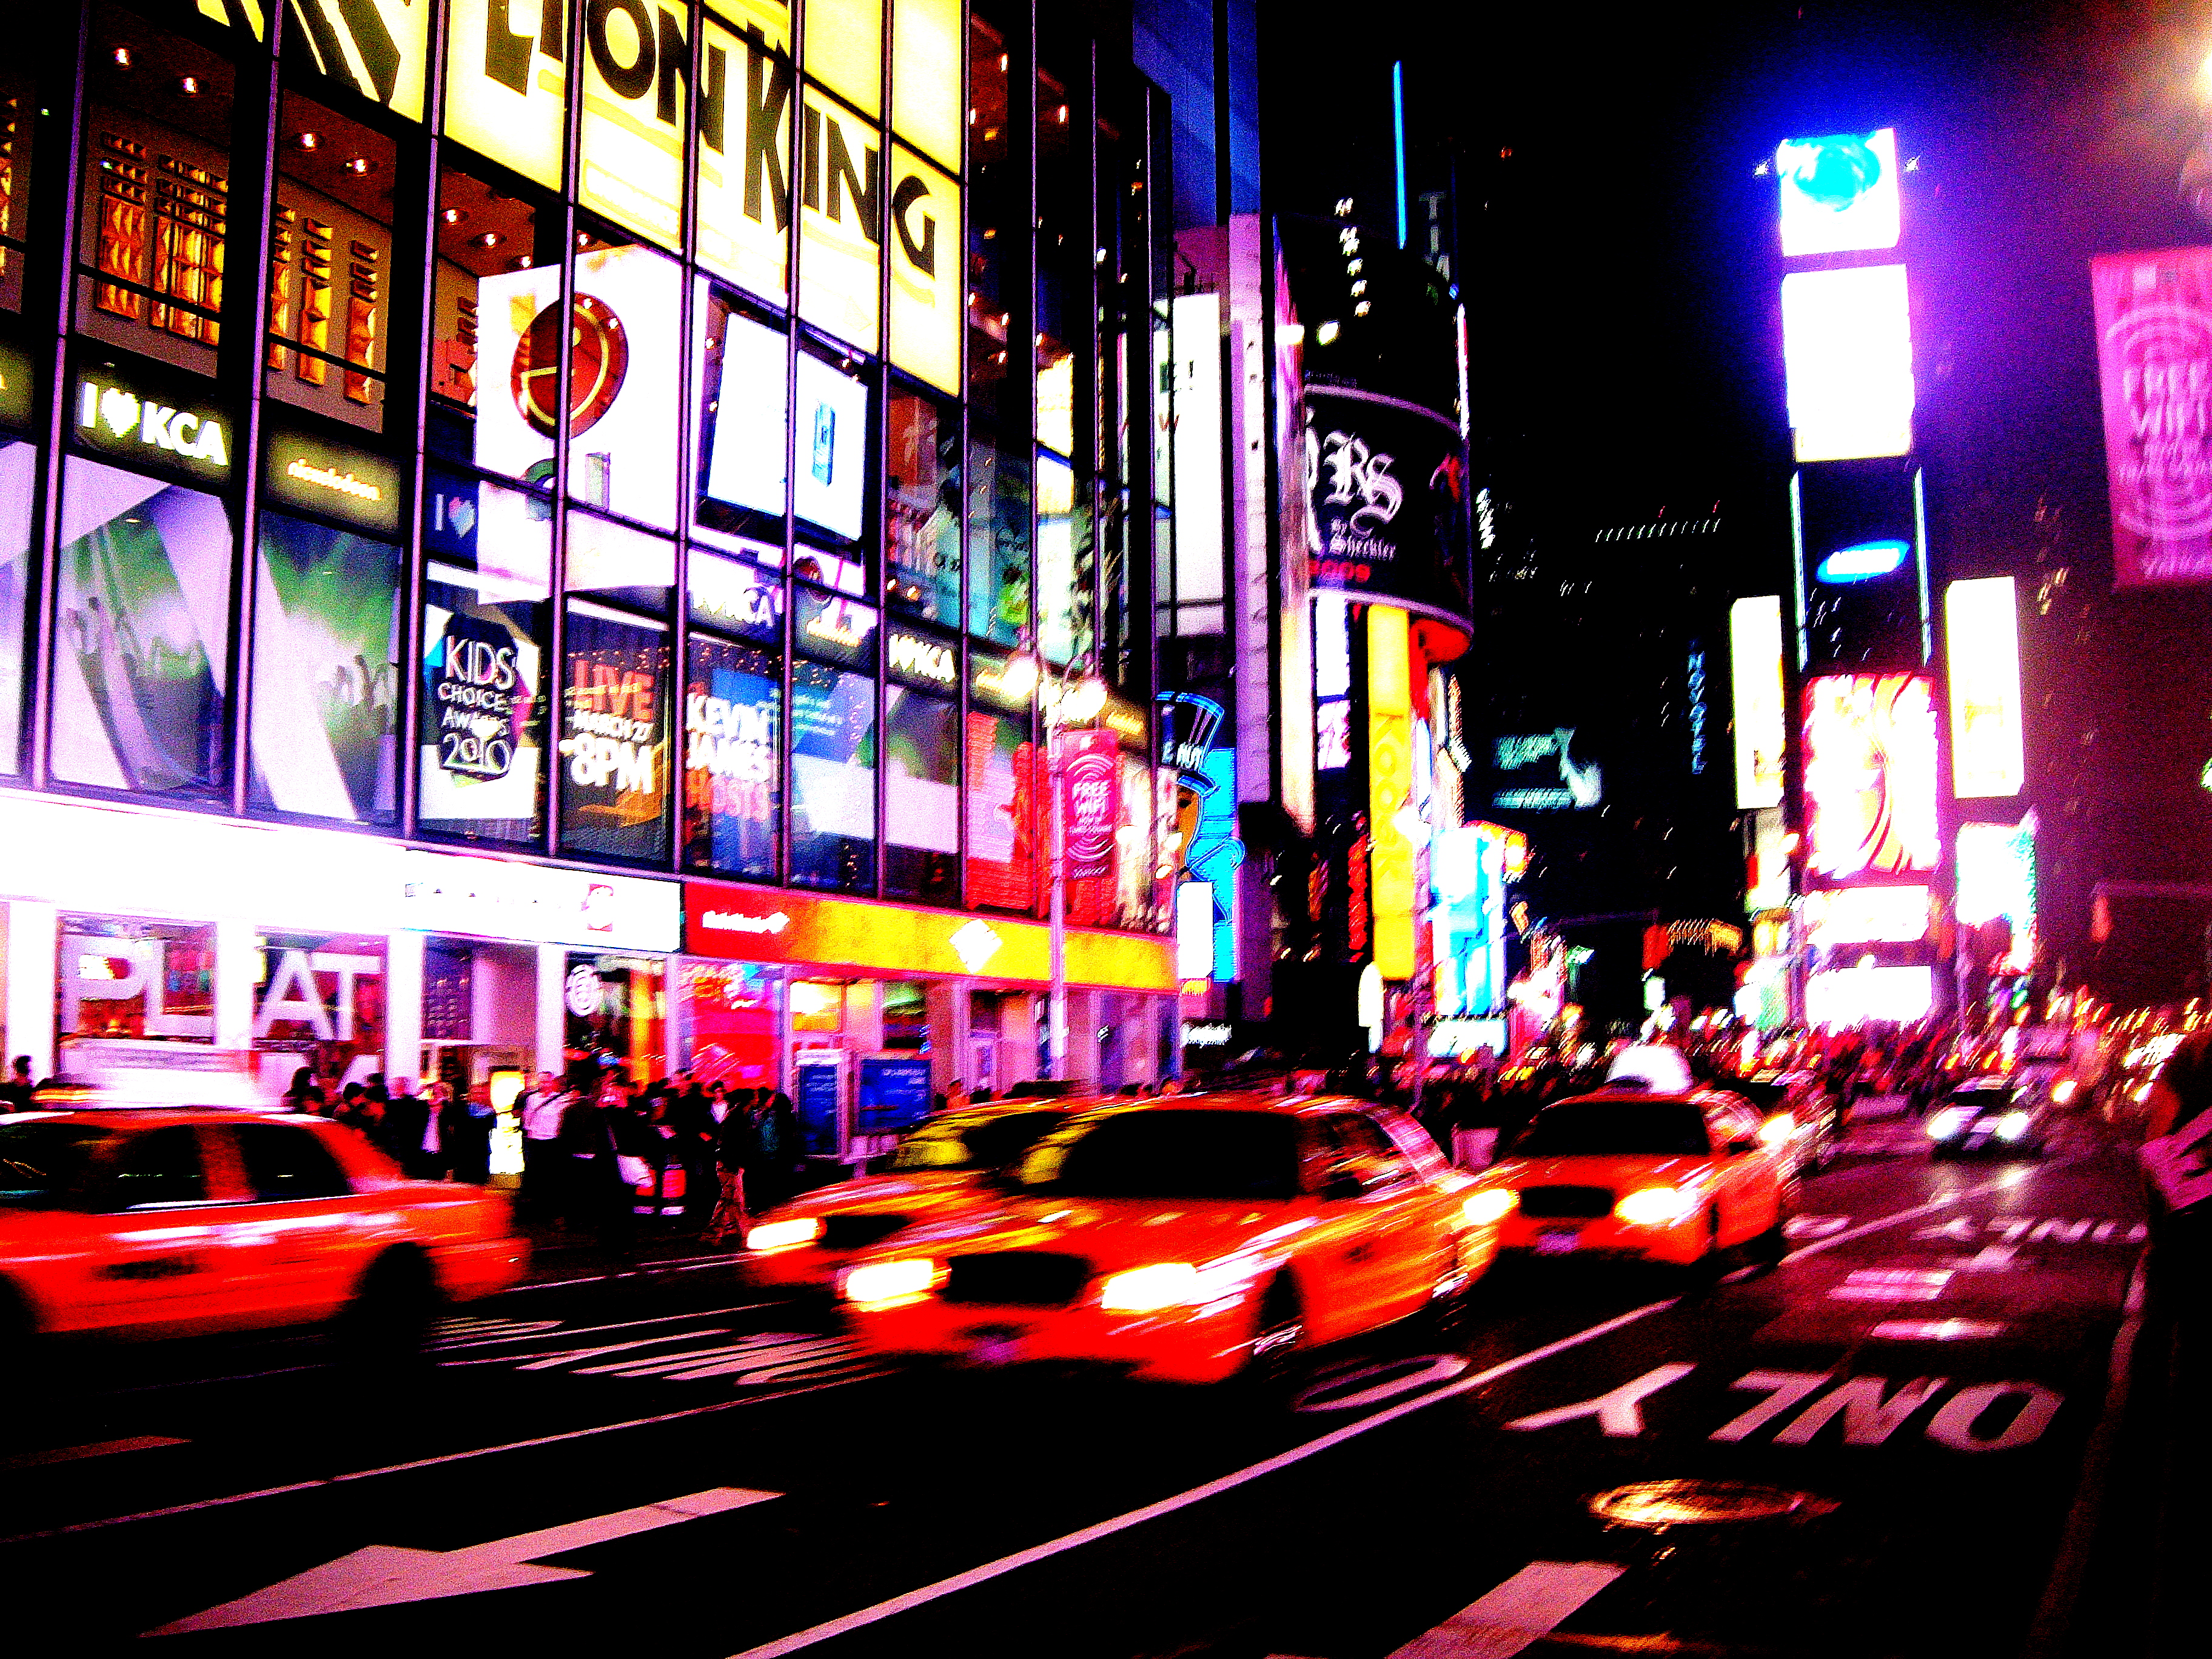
(1620, 268)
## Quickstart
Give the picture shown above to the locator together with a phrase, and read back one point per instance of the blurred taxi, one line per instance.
(1675, 1177)
(1187, 1239)
(939, 1169)
(170, 1221)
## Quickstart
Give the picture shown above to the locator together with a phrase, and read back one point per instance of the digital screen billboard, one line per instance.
(1982, 623)
(1870, 776)
(1847, 349)
(1387, 488)
(1997, 878)
(1755, 667)
(2153, 356)
(1867, 916)
(1839, 193)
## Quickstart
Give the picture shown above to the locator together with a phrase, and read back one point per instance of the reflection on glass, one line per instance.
(999, 548)
(330, 264)
(614, 735)
(743, 397)
(623, 360)
(998, 219)
(833, 783)
(733, 696)
(482, 724)
(325, 672)
(498, 270)
(921, 793)
(142, 621)
(18, 106)
(1064, 630)
(922, 508)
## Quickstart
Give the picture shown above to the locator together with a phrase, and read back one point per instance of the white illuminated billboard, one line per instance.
(1847, 347)
(833, 448)
(1855, 996)
(1867, 916)
(1982, 623)
(1997, 878)
(1756, 666)
(745, 465)
(1838, 193)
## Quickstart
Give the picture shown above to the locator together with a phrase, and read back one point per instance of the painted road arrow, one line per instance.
(383, 1575)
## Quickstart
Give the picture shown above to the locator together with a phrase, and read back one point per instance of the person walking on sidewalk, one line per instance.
(542, 1162)
(733, 1145)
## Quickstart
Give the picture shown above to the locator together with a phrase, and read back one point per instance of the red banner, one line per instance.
(1091, 774)
(2154, 361)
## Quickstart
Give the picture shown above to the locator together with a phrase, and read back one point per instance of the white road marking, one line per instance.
(1892, 1285)
(1814, 1226)
(38, 1460)
(1389, 1383)
(385, 1575)
(1517, 1615)
(1937, 1330)
(555, 1327)
(1992, 1258)
(1872, 1413)
(1620, 1411)
(860, 1619)
(1957, 1426)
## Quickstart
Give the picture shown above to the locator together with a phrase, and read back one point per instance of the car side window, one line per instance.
(286, 1163)
(159, 1169)
(1360, 1138)
(1732, 1123)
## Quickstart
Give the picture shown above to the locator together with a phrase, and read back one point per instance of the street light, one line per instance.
(1070, 697)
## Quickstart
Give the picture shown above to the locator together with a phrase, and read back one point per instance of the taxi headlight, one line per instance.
(1655, 1206)
(1146, 1290)
(1490, 1204)
(889, 1284)
(2013, 1125)
(1777, 1130)
(1948, 1122)
(2062, 1092)
(783, 1235)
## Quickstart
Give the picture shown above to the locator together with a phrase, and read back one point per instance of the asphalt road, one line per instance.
(660, 1463)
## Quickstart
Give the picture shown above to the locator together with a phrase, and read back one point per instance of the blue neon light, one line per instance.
(1863, 562)
(1398, 129)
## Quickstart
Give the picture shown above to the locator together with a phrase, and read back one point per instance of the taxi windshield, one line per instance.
(1582, 1128)
(1171, 1155)
(973, 1143)
(47, 1162)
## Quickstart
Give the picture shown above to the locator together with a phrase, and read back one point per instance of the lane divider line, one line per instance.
(560, 1331)
(895, 1605)
(40, 1460)
(1517, 1614)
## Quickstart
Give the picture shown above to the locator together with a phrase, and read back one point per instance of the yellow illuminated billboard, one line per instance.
(844, 50)
(637, 70)
(926, 256)
(840, 197)
(1389, 787)
(745, 152)
(1981, 622)
(926, 66)
(506, 81)
(379, 48)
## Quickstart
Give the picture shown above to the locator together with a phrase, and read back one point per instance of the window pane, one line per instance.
(18, 114)
(999, 543)
(118, 977)
(330, 264)
(156, 180)
(921, 793)
(844, 47)
(507, 82)
(736, 598)
(381, 52)
(925, 310)
(998, 222)
(637, 79)
(745, 105)
(159, 1167)
(142, 620)
(1002, 802)
(19, 494)
(922, 508)
(618, 562)
(744, 395)
(1064, 625)
(285, 1163)
(833, 777)
(495, 315)
(833, 449)
(733, 696)
(483, 730)
(623, 453)
(325, 672)
(614, 735)
(840, 197)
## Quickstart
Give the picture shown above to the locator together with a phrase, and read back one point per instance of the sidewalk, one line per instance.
(2141, 1562)
(558, 1257)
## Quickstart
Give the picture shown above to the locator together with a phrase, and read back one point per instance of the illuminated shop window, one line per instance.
(623, 353)
(18, 113)
(616, 741)
(921, 789)
(19, 477)
(495, 313)
(998, 585)
(330, 271)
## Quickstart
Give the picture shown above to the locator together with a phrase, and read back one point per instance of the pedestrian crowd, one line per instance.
(598, 1148)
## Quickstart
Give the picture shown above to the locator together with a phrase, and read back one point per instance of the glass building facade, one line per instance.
(618, 437)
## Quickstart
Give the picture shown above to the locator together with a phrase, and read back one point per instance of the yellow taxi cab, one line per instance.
(940, 1168)
(1185, 1239)
(137, 1221)
(1677, 1177)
